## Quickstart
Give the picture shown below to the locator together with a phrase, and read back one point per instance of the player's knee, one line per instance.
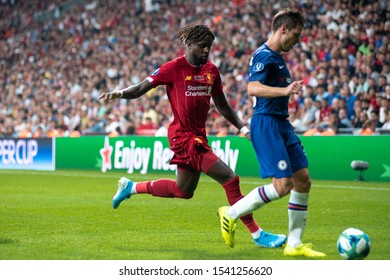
(283, 188)
(304, 186)
(302, 181)
(185, 196)
(180, 194)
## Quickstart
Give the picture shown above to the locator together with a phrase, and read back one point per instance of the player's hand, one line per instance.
(110, 95)
(248, 136)
(294, 87)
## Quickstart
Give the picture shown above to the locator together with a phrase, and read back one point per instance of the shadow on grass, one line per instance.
(4, 240)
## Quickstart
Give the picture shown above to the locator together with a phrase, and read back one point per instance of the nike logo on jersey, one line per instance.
(281, 66)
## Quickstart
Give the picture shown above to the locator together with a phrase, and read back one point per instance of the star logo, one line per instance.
(387, 171)
(106, 152)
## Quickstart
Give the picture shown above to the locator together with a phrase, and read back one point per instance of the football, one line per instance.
(353, 244)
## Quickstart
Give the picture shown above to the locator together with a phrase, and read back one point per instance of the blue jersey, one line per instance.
(278, 149)
(268, 67)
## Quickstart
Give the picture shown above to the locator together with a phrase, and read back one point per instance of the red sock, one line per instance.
(142, 187)
(162, 188)
(233, 194)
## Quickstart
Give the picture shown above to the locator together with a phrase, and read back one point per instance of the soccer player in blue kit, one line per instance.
(278, 149)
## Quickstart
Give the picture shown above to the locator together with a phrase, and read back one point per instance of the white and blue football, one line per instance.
(353, 244)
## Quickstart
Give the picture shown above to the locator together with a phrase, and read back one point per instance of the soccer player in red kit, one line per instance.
(191, 81)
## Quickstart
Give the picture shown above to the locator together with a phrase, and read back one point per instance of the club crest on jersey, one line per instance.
(208, 77)
(155, 72)
(258, 67)
(282, 165)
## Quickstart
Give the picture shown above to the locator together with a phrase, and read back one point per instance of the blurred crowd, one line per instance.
(56, 57)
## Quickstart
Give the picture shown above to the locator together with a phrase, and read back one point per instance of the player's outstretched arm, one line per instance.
(131, 92)
(227, 111)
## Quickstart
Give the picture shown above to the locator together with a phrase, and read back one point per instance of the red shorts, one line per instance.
(193, 152)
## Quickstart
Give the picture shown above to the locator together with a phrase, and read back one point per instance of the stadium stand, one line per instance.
(56, 56)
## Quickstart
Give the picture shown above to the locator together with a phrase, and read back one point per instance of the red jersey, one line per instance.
(189, 91)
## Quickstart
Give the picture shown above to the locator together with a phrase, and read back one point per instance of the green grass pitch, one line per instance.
(67, 215)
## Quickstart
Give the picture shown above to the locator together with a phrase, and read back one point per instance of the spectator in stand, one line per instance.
(307, 91)
(374, 117)
(370, 82)
(357, 109)
(335, 105)
(332, 127)
(342, 104)
(325, 112)
(359, 89)
(352, 84)
(368, 128)
(364, 47)
(93, 127)
(386, 125)
(116, 132)
(382, 84)
(26, 132)
(54, 131)
(362, 118)
(163, 129)
(365, 104)
(38, 133)
(115, 125)
(345, 94)
(308, 112)
(293, 105)
(320, 93)
(317, 112)
(147, 127)
(322, 80)
(331, 93)
(296, 122)
(149, 114)
(344, 121)
(372, 97)
(383, 109)
(223, 131)
(329, 128)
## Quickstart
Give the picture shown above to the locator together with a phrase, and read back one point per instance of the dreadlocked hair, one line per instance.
(190, 34)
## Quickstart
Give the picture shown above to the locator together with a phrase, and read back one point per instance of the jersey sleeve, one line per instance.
(163, 75)
(258, 68)
(218, 86)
